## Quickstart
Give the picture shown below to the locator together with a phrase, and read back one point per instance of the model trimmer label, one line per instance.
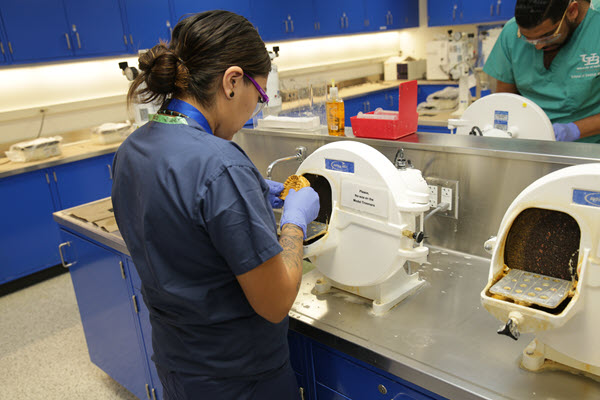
(339, 165)
(501, 120)
(365, 198)
(586, 198)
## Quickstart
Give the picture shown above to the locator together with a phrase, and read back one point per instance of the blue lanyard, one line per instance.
(189, 110)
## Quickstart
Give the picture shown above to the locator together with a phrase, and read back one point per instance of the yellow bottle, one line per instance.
(335, 112)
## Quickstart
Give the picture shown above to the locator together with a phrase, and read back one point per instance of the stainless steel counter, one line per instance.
(440, 338)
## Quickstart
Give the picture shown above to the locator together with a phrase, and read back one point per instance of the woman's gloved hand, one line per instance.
(566, 132)
(301, 208)
(275, 189)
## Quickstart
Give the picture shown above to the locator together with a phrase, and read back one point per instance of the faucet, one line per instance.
(300, 152)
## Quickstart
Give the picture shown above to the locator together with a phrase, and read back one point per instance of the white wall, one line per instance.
(84, 94)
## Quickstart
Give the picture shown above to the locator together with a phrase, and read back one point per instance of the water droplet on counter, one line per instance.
(468, 257)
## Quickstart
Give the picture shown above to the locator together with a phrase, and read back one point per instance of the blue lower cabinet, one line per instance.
(83, 181)
(351, 379)
(145, 332)
(105, 307)
(324, 393)
(29, 239)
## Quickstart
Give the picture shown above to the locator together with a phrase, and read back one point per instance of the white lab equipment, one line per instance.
(545, 271)
(505, 115)
(370, 226)
(141, 111)
(275, 101)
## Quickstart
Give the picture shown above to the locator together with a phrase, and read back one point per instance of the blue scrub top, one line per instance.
(194, 213)
(567, 91)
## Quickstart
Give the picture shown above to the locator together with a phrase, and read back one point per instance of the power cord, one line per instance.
(43, 111)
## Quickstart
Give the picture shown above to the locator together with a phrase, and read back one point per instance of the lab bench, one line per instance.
(438, 343)
(31, 191)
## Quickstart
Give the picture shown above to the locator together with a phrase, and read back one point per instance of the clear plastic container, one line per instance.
(36, 149)
(110, 133)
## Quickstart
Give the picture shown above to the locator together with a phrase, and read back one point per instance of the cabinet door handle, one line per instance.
(47, 178)
(125, 39)
(68, 41)
(346, 17)
(292, 25)
(491, 10)
(78, 40)
(110, 175)
(454, 11)
(153, 394)
(62, 258)
(319, 25)
(135, 305)
(54, 174)
(286, 26)
(122, 270)
(130, 39)
(2, 47)
(301, 393)
(168, 23)
(148, 392)
(498, 7)
(10, 47)
(368, 106)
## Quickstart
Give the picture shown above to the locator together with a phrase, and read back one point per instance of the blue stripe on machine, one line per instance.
(338, 165)
(586, 198)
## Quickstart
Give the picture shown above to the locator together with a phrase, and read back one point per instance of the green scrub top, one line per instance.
(567, 91)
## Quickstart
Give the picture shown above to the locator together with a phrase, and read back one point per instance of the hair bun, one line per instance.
(165, 71)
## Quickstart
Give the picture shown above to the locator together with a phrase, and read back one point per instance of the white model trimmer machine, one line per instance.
(370, 223)
(545, 271)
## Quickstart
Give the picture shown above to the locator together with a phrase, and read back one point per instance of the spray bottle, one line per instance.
(335, 112)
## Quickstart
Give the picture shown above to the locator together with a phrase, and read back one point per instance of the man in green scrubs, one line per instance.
(550, 53)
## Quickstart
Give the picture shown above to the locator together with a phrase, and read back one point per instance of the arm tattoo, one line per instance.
(291, 240)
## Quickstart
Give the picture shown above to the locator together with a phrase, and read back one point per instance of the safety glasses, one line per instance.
(263, 99)
(549, 39)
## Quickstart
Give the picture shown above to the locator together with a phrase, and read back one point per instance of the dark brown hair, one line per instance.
(531, 13)
(202, 47)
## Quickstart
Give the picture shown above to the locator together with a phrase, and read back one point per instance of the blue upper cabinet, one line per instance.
(478, 11)
(36, 30)
(96, 28)
(43, 30)
(4, 51)
(443, 12)
(337, 17)
(184, 7)
(391, 14)
(454, 12)
(148, 22)
(283, 20)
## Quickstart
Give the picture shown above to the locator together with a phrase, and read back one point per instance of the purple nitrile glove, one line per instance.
(275, 189)
(566, 132)
(301, 208)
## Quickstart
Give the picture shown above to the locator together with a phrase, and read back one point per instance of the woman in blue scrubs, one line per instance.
(550, 53)
(197, 218)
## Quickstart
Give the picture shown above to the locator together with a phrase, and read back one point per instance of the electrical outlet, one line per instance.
(433, 196)
(447, 197)
(448, 193)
